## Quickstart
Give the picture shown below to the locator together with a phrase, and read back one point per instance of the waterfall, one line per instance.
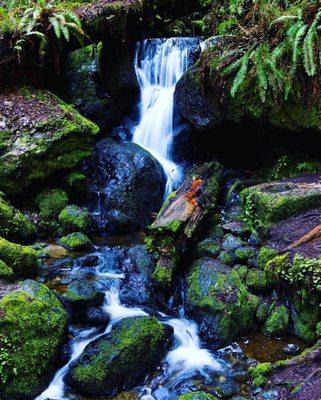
(159, 64)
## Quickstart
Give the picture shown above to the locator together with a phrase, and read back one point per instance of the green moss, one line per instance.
(259, 281)
(243, 254)
(73, 218)
(14, 225)
(263, 311)
(305, 316)
(259, 373)
(162, 274)
(277, 322)
(122, 358)
(266, 254)
(226, 257)
(318, 329)
(51, 202)
(5, 271)
(197, 396)
(207, 248)
(76, 241)
(75, 178)
(21, 259)
(265, 206)
(32, 327)
(61, 141)
(221, 293)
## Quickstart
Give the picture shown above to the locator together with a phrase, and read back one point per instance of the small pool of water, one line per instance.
(265, 349)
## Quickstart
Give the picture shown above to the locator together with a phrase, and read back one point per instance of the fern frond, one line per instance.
(241, 75)
(56, 26)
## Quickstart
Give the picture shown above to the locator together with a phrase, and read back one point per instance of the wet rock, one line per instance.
(219, 301)
(291, 349)
(131, 183)
(231, 243)
(32, 325)
(119, 360)
(96, 316)
(82, 293)
(91, 260)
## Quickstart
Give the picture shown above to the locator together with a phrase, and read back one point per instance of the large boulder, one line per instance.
(219, 301)
(130, 184)
(32, 331)
(119, 360)
(266, 204)
(40, 135)
(205, 107)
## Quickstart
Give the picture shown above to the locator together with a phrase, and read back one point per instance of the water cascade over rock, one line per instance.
(159, 65)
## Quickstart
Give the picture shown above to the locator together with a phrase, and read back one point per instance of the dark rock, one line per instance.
(82, 293)
(131, 182)
(91, 260)
(96, 316)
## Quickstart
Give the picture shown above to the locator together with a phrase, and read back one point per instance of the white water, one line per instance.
(188, 356)
(159, 64)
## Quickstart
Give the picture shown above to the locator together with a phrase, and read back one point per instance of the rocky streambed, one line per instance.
(132, 270)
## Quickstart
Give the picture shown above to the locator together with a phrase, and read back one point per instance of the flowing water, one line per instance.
(159, 64)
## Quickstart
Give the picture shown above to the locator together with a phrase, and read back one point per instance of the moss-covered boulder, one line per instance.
(197, 396)
(277, 322)
(209, 109)
(32, 328)
(119, 360)
(73, 218)
(219, 301)
(14, 225)
(76, 241)
(22, 260)
(183, 215)
(266, 204)
(40, 135)
(259, 281)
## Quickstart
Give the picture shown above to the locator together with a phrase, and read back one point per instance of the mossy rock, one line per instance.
(267, 204)
(219, 300)
(277, 322)
(32, 330)
(305, 317)
(82, 293)
(76, 241)
(119, 360)
(5, 271)
(14, 225)
(56, 139)
(51, 203)
(22, 260)
(197, 396)
(73, 218)
(208, 248)
(259, 281)
(259, 373)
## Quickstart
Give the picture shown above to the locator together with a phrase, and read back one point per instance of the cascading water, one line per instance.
(159, 64)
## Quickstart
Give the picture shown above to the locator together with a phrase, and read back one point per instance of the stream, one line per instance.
(159, 63)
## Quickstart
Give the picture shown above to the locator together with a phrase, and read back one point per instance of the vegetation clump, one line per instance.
(73, 218)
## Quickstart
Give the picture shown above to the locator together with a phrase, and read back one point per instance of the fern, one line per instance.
(241, 75)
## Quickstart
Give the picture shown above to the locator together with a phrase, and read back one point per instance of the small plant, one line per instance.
(30, 25)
